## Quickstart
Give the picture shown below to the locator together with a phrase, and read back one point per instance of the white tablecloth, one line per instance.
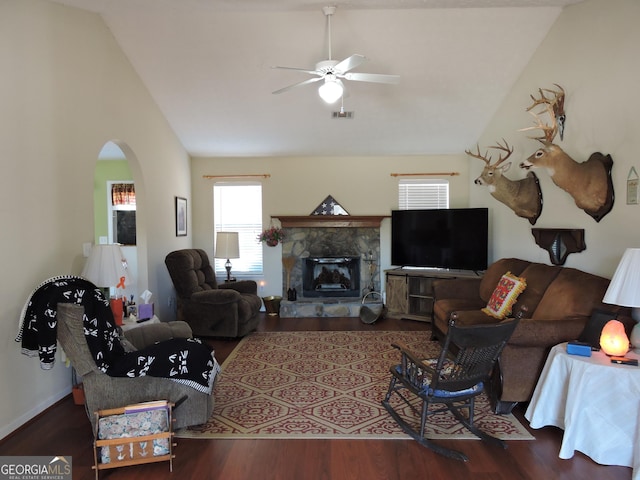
(597, 404)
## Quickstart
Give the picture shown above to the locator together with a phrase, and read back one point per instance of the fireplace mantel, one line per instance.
(350, 221)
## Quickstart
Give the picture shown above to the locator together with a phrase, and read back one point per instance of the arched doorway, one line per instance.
(117, 221)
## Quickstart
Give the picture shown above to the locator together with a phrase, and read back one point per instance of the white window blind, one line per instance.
(237, 207)
(416, 194)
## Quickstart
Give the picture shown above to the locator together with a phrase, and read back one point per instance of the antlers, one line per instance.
(557, 101)
(548, 131)
(487, 159)
(555, 108)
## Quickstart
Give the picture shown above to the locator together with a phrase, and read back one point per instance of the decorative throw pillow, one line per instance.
(505, 295)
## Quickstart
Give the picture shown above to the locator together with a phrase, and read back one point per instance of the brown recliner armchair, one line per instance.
(211, 309)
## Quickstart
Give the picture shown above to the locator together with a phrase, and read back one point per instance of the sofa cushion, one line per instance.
(538, 276)
(442, 310)
(573, 293)
(505, 295)
(461, 288)
(147, 334)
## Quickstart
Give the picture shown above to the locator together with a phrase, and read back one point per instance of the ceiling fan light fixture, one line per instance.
(331, 71)
(331, 90)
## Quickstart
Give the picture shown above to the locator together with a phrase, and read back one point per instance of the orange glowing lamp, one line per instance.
(613, 339)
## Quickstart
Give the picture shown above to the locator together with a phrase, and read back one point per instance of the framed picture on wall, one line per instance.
(181, 217)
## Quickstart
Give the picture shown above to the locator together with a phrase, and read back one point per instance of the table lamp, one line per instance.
(227, 247)
(624, 289)
(105, 268)
(613, 339)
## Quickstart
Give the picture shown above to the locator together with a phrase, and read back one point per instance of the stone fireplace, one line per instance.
(332, 263)
(333, 245)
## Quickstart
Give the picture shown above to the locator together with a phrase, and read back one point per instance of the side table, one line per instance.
(128, 326)
(597, 403)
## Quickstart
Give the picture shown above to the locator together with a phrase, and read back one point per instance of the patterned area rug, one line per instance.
(325, 385)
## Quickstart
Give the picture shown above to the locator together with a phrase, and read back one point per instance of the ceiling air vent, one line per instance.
(341, 114)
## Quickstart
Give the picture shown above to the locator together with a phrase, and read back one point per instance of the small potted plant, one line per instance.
(272, 236)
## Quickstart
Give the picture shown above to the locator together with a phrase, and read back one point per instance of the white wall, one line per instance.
(591, 51)
(65, 90)
(363, 186)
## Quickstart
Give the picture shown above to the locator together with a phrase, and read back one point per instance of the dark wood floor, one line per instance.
(65, 430)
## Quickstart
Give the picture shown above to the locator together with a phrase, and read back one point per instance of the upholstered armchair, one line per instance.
(211, 309)
(102, 391)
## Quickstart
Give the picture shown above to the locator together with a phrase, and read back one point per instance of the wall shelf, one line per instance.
(559, 242)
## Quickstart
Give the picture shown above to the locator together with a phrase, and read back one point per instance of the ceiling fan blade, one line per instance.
(372, 77)
(312, 72)
(299, 84)
(349, 63)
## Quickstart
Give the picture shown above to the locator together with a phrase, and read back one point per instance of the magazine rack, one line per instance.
(133, 435)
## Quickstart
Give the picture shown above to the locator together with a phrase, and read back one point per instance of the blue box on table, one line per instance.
(579, 348)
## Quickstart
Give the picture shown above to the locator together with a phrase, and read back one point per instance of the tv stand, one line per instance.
(410, 290)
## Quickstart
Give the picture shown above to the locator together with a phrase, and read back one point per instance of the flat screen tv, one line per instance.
(453, 238)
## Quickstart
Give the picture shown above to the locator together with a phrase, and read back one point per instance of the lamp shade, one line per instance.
(613, 339)
(624, 288)
(105, 266)
(331, 90)
(227, 245)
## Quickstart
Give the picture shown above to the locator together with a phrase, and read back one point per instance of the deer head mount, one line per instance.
(589, 183)
(523, 196)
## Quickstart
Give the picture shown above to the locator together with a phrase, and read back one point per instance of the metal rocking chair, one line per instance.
(454, 379)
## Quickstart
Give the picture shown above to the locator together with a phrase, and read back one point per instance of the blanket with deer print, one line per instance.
(186, 361)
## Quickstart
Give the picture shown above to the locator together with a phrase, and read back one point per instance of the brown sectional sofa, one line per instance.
(559, 301)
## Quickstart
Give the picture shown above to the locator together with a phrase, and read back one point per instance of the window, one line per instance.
(416, 194)
(121, 207)
(237, 207)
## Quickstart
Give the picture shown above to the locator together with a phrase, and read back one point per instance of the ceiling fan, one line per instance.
(332, 71)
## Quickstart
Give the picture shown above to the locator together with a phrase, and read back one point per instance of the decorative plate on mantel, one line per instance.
(329, 206)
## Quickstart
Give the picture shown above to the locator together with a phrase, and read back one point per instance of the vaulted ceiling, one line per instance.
(208, 65)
